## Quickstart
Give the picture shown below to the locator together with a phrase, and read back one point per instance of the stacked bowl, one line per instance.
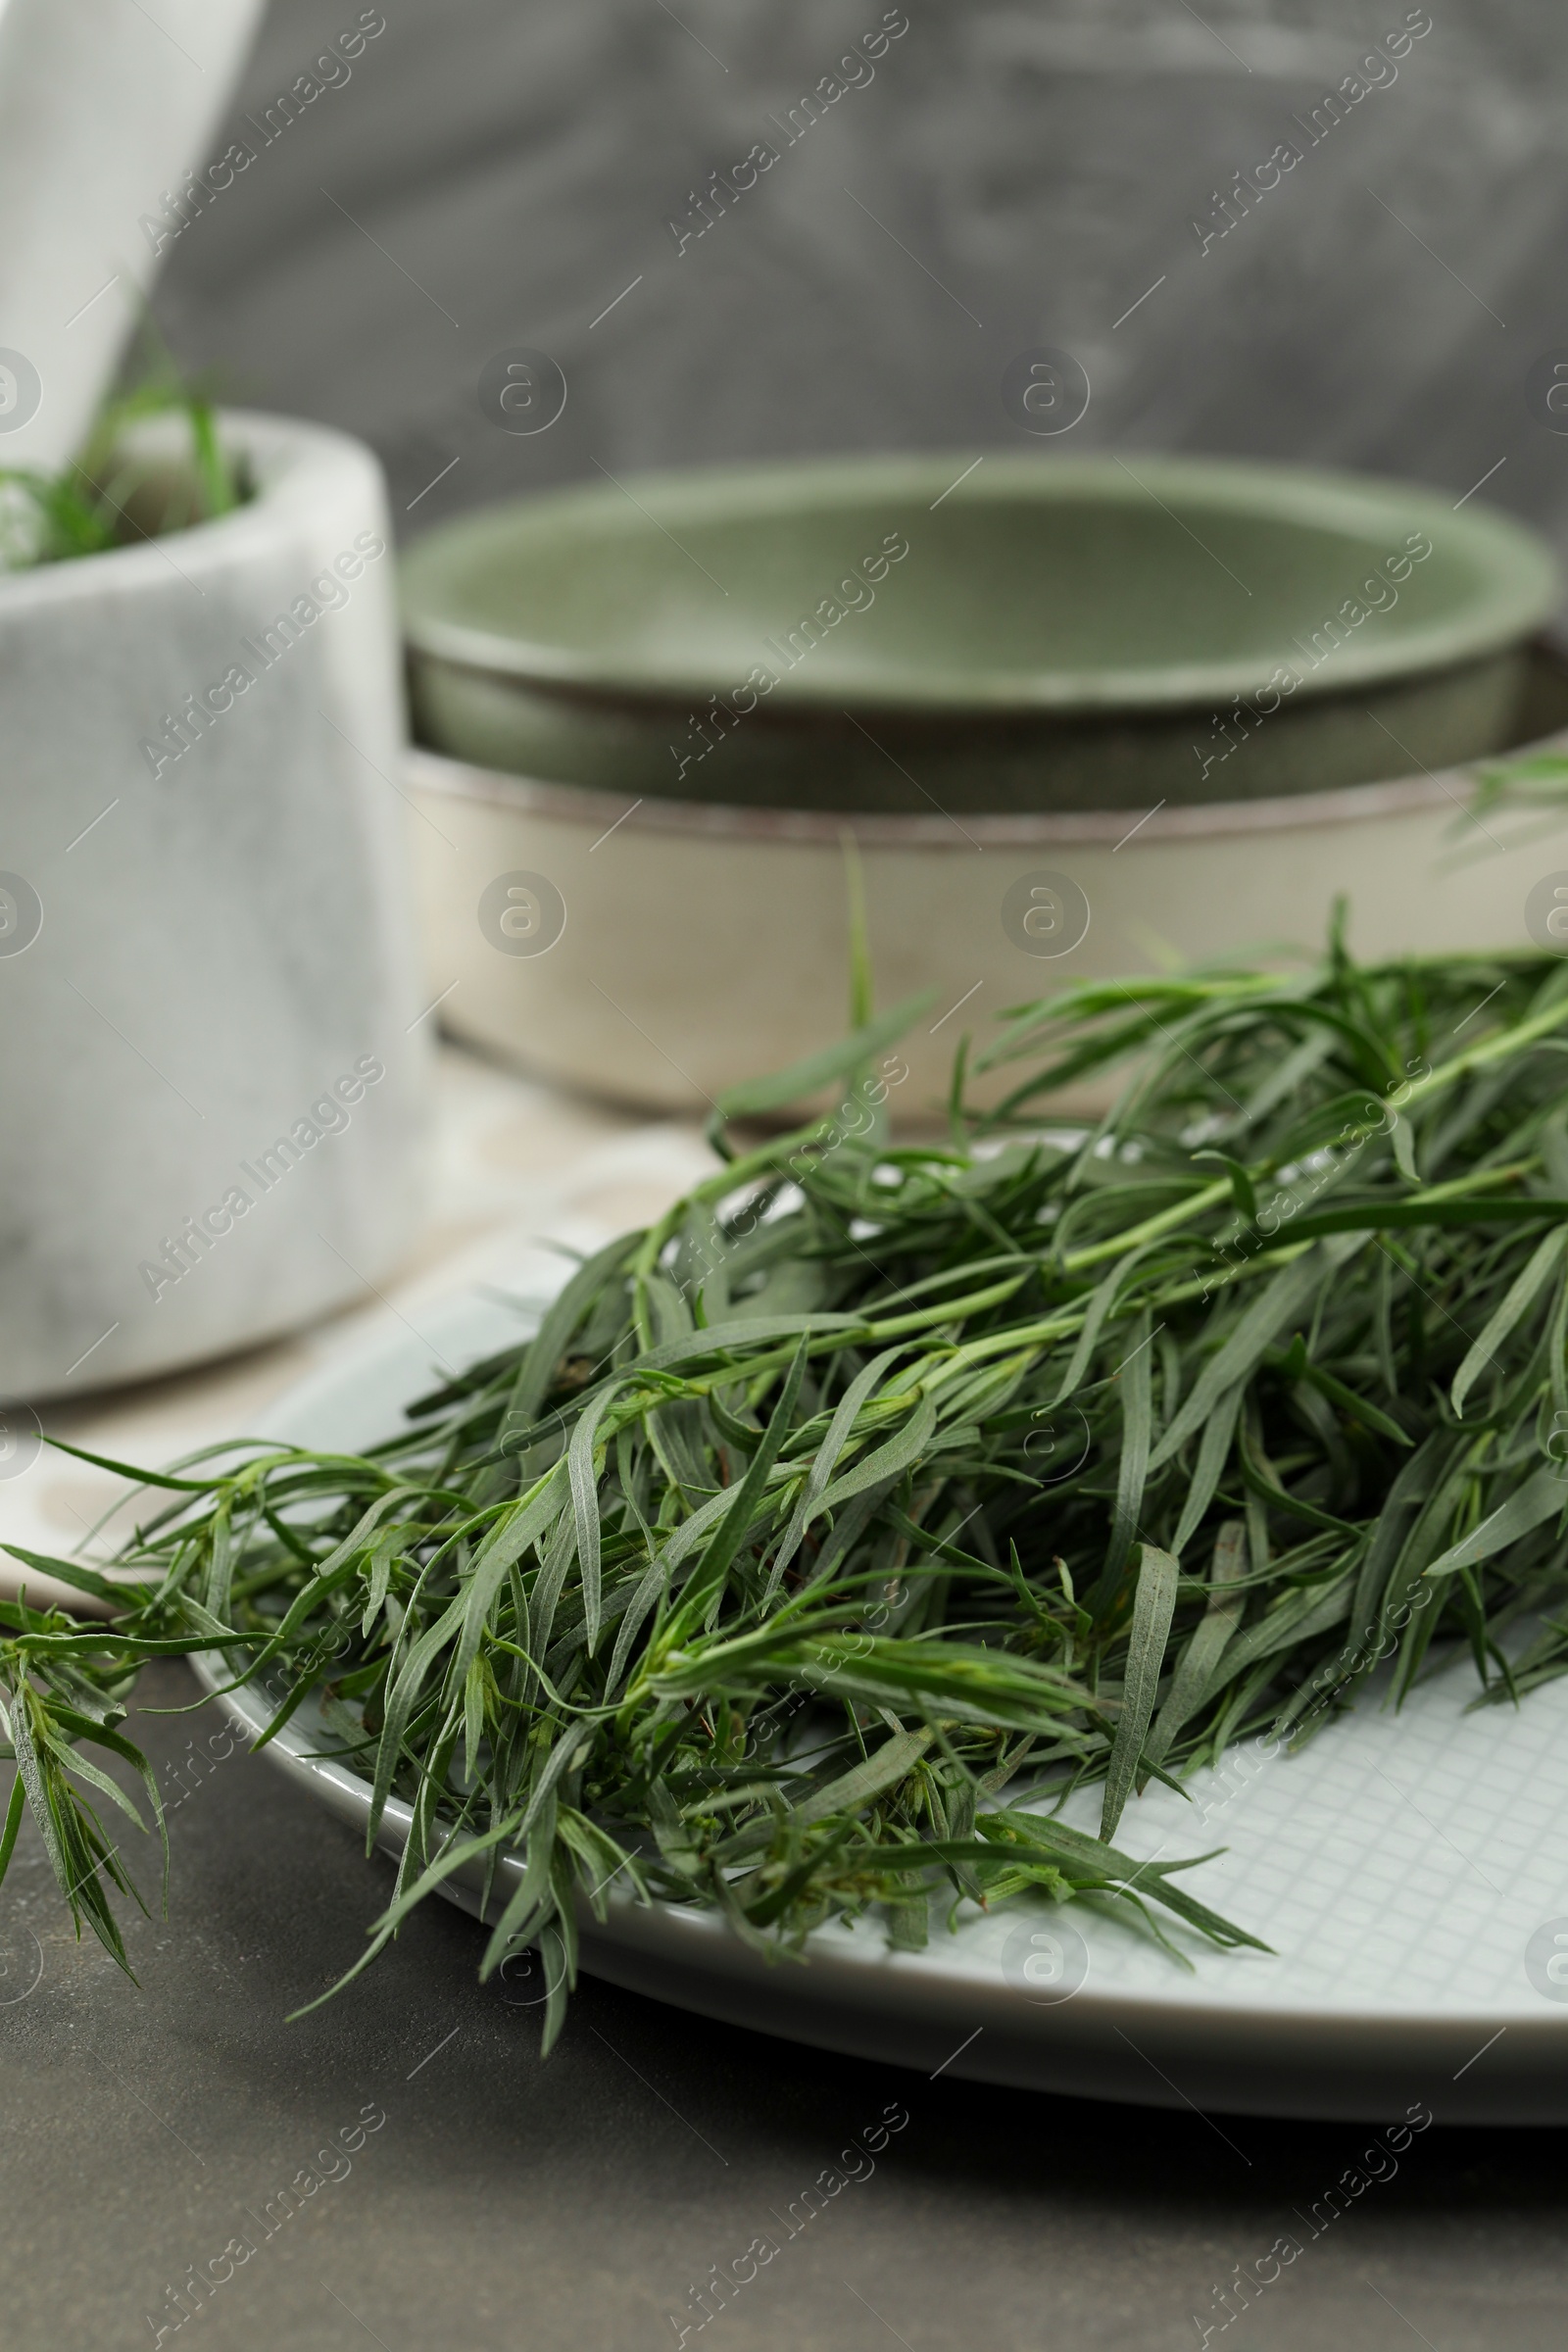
(1078, 716)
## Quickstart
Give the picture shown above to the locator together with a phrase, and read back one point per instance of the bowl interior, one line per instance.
(1032, 584)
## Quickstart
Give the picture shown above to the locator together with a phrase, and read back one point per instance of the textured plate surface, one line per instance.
(1410, 1872)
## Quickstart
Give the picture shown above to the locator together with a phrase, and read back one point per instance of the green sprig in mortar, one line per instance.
(112, 494)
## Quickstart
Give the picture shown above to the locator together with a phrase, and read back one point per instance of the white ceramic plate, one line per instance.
(1410, 1872)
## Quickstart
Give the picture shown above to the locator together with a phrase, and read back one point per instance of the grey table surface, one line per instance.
(507, 2200)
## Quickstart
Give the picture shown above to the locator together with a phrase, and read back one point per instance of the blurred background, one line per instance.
(492, 175)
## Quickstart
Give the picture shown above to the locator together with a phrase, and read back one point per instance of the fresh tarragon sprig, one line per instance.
(833, 1529)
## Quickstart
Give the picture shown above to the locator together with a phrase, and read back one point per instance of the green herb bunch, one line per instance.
(836, 1528)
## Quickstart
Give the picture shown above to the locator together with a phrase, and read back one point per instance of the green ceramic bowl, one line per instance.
(996, 634)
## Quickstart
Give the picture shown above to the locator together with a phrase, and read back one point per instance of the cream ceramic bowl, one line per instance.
(658, 951)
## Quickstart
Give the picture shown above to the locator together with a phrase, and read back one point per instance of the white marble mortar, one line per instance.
(225, 949)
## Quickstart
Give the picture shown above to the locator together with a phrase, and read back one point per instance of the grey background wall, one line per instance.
(495, 172)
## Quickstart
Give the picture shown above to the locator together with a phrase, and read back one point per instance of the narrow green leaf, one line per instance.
(1522, 1291)
(1241, 1190)
(823, 1464)
(1282, 1299)
(584, 1482)
(885, 1765)
(1197, 1665)
(1153, 1602)
(1542, 1496)
(813, 1071)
